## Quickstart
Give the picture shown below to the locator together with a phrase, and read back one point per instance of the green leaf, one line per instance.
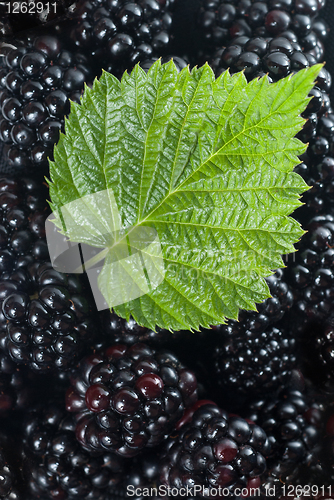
(185, 184)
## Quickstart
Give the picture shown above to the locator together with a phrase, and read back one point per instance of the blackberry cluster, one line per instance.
(47, 319)
(23, 15)
(55, 464)
(247, 363)
(37, 79)
(221, 21)
(23, 210)
(293, 427)
(255, 353)
(311, 275)
(213, 449)
(120, 33)
(128, 398)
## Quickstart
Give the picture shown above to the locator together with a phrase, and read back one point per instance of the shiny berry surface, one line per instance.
(128, 398)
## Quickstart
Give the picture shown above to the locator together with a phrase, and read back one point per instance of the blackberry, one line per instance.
(311, 275)
(221, 21)
(37, 79)
(121, 33)
(128, 398)
(293, 425)
(247, 363)
(47, 320)
(256, 56)
(23, 210)
(212, 449)
(55, 464)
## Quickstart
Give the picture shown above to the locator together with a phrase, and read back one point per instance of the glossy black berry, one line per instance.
(47, 319)
(120, 34)
(293, 427)
(214, 449)
(248, 362)
(55, 464)
(128, 398)
(38, 82)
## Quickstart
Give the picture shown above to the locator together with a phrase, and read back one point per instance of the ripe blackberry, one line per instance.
(120, 33)
(220, 21)
(23, 210)
(293, 426)
(256, 56)
(127, 398)
(37, 79)
(213, 449)
(311, 274)
(248, 363)
(55, 464)
(47, 319)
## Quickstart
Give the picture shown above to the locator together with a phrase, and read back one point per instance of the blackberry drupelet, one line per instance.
(37, 79)
(23, 211)
(47, 320)
(128, 398)
(293, 425)
(221, 21)
(248, 363)
(55, 464)
(311, 274)
(213, 449)
(120, 33)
